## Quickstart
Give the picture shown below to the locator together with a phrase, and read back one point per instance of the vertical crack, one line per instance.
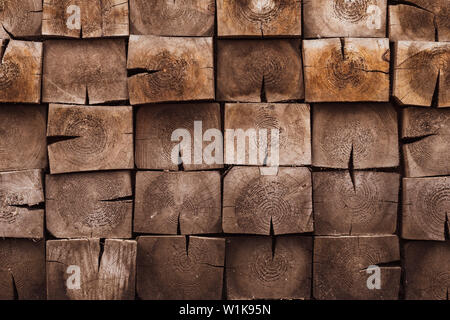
(100, 254)
(435, 98)
(351, 168)
(187, 244)
(15, 291)
(342, 48)
(178, 224)
(263, 91)
(274, 240)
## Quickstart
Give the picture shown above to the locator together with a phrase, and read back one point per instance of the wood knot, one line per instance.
(351, 10)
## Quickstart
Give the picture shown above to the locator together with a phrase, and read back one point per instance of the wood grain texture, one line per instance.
(255, 203)
(292, 120)
(346, 70)
(246, 68)
(343, 18)
(22, 269)
(427, 273)
(20, 18)
(170, 69)
(107, 275)
(356, 134)
(172, 18)
(96, 204)
(84, 71)
(340, 263)
(91, 138)
(257, 268)
(259, 18)
(422, 73)
(168, 268)
(367, 206)
(170, 201)
(21, 194)
(20, 71)
(22, 137)
(426, 141)
(155, 125)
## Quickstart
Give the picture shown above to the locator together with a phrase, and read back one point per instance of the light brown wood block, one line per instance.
(365, 206)
(84, 71)
(20, 18)
(254, 203)
(95, 204)
(265, 268)
(170, 69)
(346, 70)
(172, 18)
(344, 18)
(22, 137)
(359, 135)
(91, 138)
(340, 267)
(421, 73)
(170, 268)
(258, 70)
(104, 275)
(168, 202)
(155, 125)
(293, 122)
(259, 18)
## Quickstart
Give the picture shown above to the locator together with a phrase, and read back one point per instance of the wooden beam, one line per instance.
(20, 18)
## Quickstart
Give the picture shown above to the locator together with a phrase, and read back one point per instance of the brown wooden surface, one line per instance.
(247, 67)
(155, 125)
(84, 71)
(422, 70)
(22, 137)
(426, 134)
(22, 269)
(427, 272)
(259, 18)
(292, 120)
(258, 268)
(346, 70)
(20, 18)
(93, 204)
(107, 275)
(172, 18)
(343, 18)
(170, 69)
(357, 132)
(340, 263)
(253, 203)
(170, 201)
(170, 268)
(366, 206)
(93, 138)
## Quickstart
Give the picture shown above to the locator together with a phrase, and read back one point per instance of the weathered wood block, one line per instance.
(360, 136)
(421, 73)
(254, 203)
(21, 194)
(346, 70)
(340, 267)
(85, 71)
(170, 201)
(22, 269)
(107, 275)
(259, 70)
(172, 18)
(20, 18)
(426, 208)
(90, 138)
(96, 204)
(427, 270)
(20, 71)
(180, 268)
(426, 144)
(355, 203)
(344, 18)
(257, 268)
(170, 69)
(293, 122)
(155, 125)
(22, 137)
(259, 18)
(85, 18)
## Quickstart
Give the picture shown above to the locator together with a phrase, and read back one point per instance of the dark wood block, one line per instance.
(20, 18)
